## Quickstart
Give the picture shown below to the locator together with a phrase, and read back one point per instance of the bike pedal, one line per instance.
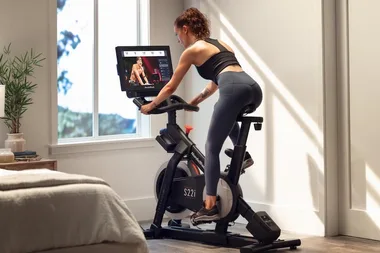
(197, 223)
(204, 222)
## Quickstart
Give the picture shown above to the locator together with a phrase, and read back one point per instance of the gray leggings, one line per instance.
(236, 90)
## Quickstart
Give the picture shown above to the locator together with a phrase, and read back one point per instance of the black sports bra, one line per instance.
(216, 63)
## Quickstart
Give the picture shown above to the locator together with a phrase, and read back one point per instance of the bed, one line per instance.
(48, 211)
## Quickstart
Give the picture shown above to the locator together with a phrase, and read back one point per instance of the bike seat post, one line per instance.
(239, 151)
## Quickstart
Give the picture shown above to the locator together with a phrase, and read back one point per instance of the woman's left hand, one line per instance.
(147, 108)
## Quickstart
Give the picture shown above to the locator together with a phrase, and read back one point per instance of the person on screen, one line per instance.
(138, 72)
(215, 61)
(156, 76)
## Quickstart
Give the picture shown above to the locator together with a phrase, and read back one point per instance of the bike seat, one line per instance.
(247, 109)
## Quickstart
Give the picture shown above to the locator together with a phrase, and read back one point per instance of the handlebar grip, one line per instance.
(139, 102)
(191, 108)
(177, 104)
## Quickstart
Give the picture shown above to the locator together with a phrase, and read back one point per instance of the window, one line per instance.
(91, 104)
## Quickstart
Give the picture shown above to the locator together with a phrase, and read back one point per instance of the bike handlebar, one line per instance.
(174, 102)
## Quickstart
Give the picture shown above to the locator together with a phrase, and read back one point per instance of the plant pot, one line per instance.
(15, 142)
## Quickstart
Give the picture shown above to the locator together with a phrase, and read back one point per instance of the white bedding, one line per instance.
(44, 209)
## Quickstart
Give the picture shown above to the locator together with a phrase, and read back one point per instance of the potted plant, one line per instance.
(15, 74)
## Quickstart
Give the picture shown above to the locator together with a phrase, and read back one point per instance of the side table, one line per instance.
(50, 164)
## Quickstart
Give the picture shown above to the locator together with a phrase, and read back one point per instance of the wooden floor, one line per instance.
(309, 244)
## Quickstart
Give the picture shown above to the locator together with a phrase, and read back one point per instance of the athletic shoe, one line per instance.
(248, 161)
(205, 215)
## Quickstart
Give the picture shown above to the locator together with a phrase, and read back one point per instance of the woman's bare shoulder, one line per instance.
(197, 48)
(204, 46)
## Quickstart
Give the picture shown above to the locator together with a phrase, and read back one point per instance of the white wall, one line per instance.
(129, 171)
(281, 45)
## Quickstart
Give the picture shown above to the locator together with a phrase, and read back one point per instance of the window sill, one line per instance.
(100, 145)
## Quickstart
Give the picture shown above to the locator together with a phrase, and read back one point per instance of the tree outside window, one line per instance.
(90, 101)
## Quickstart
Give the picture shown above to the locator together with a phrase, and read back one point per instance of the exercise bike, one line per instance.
(180, 189)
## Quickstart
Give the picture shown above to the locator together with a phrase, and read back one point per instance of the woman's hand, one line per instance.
(145, 109)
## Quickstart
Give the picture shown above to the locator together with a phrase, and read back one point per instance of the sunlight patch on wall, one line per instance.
(373, 187)
(373, 195)
(296, 182)
(290, 178)
(244, 62)
(276, 83)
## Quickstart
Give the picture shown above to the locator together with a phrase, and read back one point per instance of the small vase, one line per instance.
(15, 142)
(6, 155)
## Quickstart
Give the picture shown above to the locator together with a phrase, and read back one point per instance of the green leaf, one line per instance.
(15, 74)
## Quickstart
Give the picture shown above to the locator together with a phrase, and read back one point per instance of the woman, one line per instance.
(214, 61)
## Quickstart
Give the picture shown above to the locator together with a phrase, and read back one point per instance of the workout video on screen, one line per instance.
(146, 68)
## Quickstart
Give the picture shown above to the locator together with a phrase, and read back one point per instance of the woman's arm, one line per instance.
(144, 76)
(184, 64)
(210, 89)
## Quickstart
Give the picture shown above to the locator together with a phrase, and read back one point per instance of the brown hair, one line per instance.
(197, 22)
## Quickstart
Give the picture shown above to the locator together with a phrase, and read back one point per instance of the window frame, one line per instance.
(107, 142)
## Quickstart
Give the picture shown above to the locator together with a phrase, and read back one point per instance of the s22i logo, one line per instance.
(188, 192)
